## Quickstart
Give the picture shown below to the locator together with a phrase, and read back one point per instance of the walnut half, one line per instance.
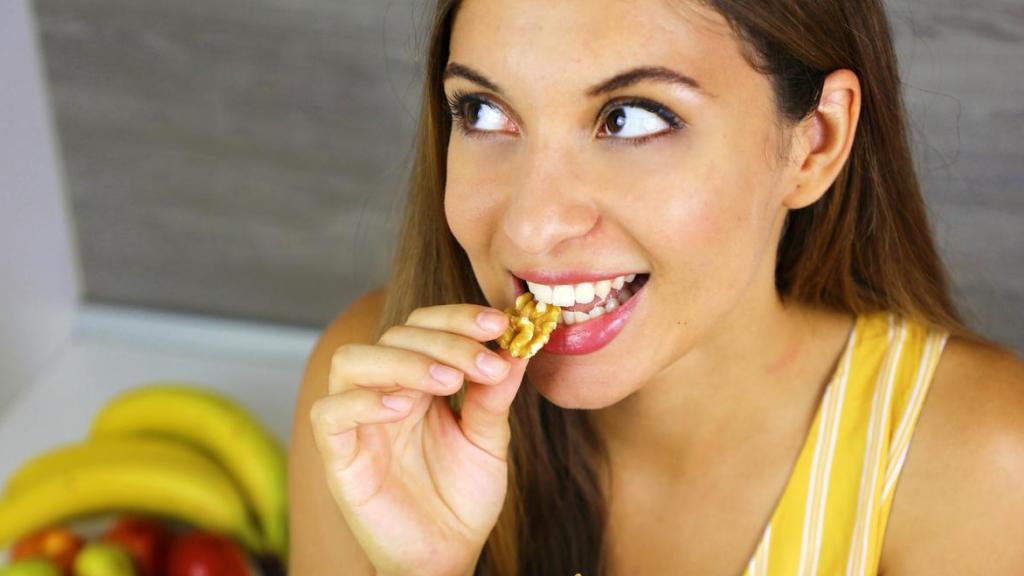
(529, 327)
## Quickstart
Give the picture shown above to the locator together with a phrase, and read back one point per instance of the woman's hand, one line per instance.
(420, 488)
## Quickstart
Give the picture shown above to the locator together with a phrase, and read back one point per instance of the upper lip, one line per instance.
(553, 278)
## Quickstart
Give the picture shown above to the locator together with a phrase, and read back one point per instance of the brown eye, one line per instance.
(469, 110)
(472, 111)
(615, 121)
(635, 120)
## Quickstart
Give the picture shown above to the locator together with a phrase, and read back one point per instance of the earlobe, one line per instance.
(828, 137)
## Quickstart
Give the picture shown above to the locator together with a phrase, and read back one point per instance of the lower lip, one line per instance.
(594, 334)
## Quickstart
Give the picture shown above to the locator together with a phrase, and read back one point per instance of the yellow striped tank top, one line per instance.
(833, 511)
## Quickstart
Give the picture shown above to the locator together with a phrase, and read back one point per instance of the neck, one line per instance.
(757, 372)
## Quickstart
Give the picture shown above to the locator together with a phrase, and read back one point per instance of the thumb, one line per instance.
(485, 408)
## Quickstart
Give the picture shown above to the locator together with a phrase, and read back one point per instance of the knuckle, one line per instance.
(415, 316)
(341, 356)
(316, 412)
(393, 335)
(336, 379)
(342, 362)
(335, 383)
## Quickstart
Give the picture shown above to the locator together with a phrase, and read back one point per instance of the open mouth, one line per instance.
(588, 300)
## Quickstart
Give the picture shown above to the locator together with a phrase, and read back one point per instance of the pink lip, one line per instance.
(591, 335)
(569, 277)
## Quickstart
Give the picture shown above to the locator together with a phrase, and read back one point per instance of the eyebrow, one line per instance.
(621, 80)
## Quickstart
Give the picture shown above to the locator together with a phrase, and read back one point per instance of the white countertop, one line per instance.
(113, 349)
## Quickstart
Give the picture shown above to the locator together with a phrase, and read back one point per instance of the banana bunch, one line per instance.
(167, 448)
(151, 475)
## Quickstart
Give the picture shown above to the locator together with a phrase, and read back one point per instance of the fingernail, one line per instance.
(397, 403)
(491, 364)
(490, 321)
(445, 374)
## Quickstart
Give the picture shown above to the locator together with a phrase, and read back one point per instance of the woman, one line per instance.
(747, 403)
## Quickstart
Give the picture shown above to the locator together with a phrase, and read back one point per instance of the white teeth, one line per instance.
(584, 293)
(571, 317)
(563, 295)
(567, 295)
(541, 292)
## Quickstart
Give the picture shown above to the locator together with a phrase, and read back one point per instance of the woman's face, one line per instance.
(552, 179)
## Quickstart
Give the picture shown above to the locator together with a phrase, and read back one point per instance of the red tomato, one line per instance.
(145, 539)
(55, 543)
(206, 554)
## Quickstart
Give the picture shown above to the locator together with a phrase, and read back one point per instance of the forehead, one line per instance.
(569, 45)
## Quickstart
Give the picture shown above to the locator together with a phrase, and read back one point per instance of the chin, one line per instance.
(574, 391)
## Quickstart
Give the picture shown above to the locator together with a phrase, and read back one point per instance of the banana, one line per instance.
(217, 424)
(98, 451)
(187, 485)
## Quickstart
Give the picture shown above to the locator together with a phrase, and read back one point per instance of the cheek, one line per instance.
(468, 209)
(692, 220)
(678, 197)
(479, 182)
(455, 213)
(700, 230)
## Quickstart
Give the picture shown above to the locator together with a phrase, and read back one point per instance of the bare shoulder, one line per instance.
(321, 542)
(959, 505)
(357, 322)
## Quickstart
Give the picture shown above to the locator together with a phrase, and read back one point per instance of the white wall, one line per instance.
(39, 276)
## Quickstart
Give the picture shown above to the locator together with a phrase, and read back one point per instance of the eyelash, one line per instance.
(458, 100)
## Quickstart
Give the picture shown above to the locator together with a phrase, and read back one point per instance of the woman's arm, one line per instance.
(320, 541)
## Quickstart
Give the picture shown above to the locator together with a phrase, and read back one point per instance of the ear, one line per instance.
(825, 139)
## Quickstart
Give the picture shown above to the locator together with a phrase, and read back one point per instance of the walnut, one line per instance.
(529, 327)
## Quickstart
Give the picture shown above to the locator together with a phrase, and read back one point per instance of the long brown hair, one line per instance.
(865, 246)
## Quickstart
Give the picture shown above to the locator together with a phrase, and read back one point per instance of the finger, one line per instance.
(480, 323)
(485, 409)
(387, 369)
(336, 418)
(464, 354)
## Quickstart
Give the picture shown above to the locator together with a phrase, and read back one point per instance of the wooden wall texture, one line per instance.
(245, 158)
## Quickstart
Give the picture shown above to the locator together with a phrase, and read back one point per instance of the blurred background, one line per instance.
(194, 189)
(190, 191)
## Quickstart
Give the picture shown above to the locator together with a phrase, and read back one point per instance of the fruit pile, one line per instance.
(133, 546)
(189, 468)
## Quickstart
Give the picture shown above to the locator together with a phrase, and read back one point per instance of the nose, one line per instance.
(549, 206)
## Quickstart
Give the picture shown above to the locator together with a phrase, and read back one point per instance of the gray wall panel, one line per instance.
(962, 65)
(233, 158)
